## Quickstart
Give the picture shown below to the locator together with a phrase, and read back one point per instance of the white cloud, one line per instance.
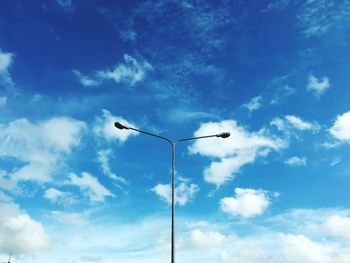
(39, 145)
(207, 240)
(130, 72)
(104, 127)
(316, 18)
(240, 141)
(197, 224)
(69, 218)
(3, 197)
(253, 104)
(186, 114)
(279, 123)
(103, 158)
(5, 182)
(90, 186)
(337, 225)
(224, 170)
(307, 221)
(341, 128)
(3, 101)
(128, 35)
(335, 161)
(299, 124)
(57, 196)
(184, 192)
(276, 5)
(298, 248)
(86, 81)
(62, 133)
(296, 161)
(319, 86)
(222, 243)
(53, 194)
(19, 232)
(164, 191)
(6, 60)
(247, 203)
(241, 148)
(281, 94)
(67, 5)
(291, 122)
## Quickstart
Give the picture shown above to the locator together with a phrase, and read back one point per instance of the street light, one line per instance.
(173, 144)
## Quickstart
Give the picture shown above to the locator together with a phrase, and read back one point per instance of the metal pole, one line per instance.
(173, 202)
(173, 144)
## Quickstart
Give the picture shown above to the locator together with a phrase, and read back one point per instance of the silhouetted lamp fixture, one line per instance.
(120, 126)
(9, 261)
(173, 143)
(223, 135)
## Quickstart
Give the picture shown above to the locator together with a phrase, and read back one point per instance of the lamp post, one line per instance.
(173, 144)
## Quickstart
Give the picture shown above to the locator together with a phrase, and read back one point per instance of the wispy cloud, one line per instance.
(316, 18)
(318, 86)
(291, 122)
(276, 5)
(86, 81)
(187, 114)
(335, 161)
(56, 196)
(130, 72)
(76, 219)
(67, 5)
(200, 21)
(3, 101)
(103, 158)
(6, 61)
(194, 26)
(296, 161)
(300, 124)
(281, 94)
(90, 186)
(254, 104)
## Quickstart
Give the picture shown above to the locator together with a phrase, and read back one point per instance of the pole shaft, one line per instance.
(172, 202)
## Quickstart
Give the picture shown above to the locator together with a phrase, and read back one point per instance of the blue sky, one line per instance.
(275, 74)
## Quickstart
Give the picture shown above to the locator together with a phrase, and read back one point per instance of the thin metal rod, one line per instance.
(196, 138)
(173, 202)
(152, 134)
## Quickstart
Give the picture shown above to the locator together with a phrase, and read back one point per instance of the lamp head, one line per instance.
(224, 135)
(120, 126)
